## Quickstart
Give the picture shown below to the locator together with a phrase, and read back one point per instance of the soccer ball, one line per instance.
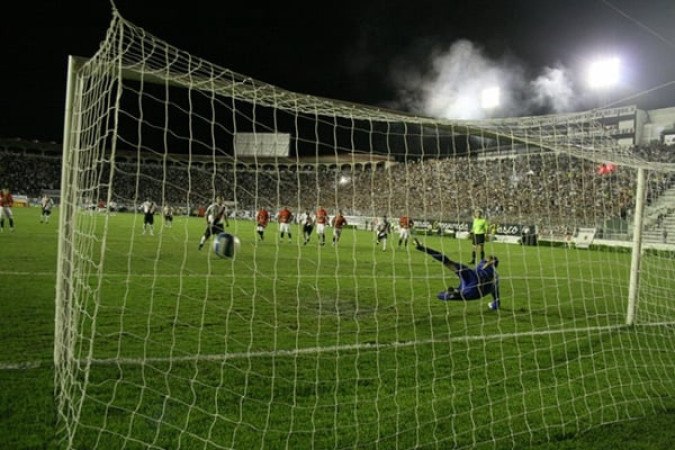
(225, 245)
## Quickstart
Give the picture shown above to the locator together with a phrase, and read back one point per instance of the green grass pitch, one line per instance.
(292, 346)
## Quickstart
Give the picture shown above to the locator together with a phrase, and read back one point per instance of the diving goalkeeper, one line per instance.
(474, 284)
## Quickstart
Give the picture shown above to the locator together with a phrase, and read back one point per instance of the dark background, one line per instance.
(358, 51)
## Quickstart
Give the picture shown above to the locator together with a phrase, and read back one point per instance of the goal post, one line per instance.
(636, 254)
(66, 226)
(325, 338)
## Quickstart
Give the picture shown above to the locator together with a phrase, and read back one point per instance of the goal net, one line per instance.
(301, 342)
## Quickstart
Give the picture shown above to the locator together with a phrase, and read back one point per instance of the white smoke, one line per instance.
(553, 89)
(456, 78)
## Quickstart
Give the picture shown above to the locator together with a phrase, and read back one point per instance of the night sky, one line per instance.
(413, 56)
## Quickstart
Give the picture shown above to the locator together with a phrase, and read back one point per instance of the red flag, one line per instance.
(605, 168)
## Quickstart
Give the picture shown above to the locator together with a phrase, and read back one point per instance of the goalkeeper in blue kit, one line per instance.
(474, 284)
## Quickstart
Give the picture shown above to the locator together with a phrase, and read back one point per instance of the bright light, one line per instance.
(604, 73)
(344, 180)
(490, 98)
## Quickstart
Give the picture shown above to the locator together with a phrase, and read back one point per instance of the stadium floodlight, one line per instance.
(604, 73)
(490, 97)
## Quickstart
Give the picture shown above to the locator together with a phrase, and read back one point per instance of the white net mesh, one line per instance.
(295, 345)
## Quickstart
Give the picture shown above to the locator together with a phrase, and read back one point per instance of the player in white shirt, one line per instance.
(149, 208)
(216, 217)
(383, 230)
(47, 204)
(167, 212)
(307, 226)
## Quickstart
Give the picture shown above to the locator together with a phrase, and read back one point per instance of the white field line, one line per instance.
(186, 275)
(215, 273)
(332, 348)
(22, 365)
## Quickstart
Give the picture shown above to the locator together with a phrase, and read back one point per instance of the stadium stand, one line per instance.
(448, 191)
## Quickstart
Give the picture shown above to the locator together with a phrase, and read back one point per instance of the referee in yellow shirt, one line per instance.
(479, 230)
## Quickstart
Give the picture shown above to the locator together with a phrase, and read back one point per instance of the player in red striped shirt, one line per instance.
(321, 219)
(285, 217)
(262, 219)
(6, 203)
(339, 222)
(405, 223)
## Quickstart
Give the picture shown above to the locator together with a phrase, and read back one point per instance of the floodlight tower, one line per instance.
(603, 75)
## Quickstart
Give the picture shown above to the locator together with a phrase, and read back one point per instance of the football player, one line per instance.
(262, 218)
(405, 223)
(6, 203)
(285, 217)
(474, 284)
(321, 222)
(216, 219)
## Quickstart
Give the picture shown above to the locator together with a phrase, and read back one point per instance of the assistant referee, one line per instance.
(479, 230)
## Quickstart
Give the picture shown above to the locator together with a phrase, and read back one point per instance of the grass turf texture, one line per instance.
(291, 345)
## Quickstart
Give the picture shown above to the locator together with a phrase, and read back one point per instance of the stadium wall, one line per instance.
(655, 122)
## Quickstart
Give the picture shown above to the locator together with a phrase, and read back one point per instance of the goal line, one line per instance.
(365, 346)
(25, 365)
